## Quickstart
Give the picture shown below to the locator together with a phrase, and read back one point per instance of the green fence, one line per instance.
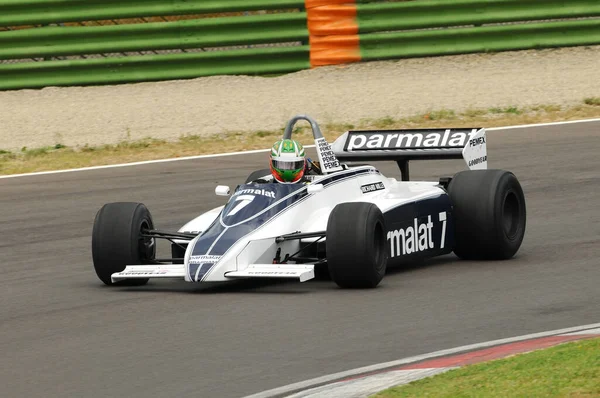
(378, 17)
(284, 38)
(379, 46)
(35, 12)
(195, 33)
(271, 43)
(153, 67)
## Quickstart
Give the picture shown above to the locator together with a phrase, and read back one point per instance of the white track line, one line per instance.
(307, 384)
(109, 166)
(524, 126)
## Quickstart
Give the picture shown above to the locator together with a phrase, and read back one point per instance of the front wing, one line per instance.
(303, 272)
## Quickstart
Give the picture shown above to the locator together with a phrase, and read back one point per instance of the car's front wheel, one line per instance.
(117, 240)
(356, 245)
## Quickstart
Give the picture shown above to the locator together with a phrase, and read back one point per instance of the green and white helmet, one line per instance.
(287, 161)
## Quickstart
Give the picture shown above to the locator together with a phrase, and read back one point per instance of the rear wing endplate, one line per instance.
(416, 144)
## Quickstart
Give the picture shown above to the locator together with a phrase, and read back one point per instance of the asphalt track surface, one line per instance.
(63, 333)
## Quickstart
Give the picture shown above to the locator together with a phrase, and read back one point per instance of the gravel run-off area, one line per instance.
(76, 116)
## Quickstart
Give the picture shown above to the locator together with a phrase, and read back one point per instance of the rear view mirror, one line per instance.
(222, 190)
(314, 188)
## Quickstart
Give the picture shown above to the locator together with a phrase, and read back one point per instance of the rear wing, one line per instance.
(416, 144)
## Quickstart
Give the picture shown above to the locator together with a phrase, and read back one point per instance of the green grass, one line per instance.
(509, 109)
(546, 108)
(386, 122)
(568, 370)
(474, 112)
(595, 101)
(443, 114)
(60, 156)
(338, 126)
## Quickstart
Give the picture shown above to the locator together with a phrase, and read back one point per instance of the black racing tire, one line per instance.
(489, 213)
(255, 175)
(117, 240)
(356, 245)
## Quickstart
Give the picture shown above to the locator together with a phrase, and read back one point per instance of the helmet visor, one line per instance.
(287, 164)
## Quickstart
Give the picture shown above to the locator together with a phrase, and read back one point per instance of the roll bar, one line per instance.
(316, 130)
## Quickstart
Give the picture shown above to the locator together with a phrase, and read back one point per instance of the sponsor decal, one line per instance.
(265, 273)
(378, 186)
(477, 141)
(477, 161)
(415, 238)
(204, 259)
(262, 192)
(137, 273)
(327, 159)
(378, 140)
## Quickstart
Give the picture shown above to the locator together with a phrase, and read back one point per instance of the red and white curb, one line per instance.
(362, 382)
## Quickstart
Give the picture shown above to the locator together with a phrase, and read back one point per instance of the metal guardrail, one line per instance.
(41, 12)
(153, 67)
(379, 46)
(195, 33)
(338, 31)
(379, 17)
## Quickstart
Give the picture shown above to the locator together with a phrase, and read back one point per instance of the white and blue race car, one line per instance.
(347, 219)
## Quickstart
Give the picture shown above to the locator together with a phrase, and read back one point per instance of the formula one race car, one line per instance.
(349, 220)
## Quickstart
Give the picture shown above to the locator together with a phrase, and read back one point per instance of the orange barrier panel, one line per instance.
(332, 20)
(334, 50)
(333, 32)
(319, 3)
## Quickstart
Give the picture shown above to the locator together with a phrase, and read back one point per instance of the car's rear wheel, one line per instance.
(117, 240)
(255, 175)
(489, 212)
(356, 245)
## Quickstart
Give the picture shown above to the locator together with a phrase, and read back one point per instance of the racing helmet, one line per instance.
(287, 161)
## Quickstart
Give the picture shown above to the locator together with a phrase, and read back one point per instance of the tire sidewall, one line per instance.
(377, 247)
(509, 190)
(143, 254)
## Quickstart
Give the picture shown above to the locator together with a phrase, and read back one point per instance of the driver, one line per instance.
(288, 163)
